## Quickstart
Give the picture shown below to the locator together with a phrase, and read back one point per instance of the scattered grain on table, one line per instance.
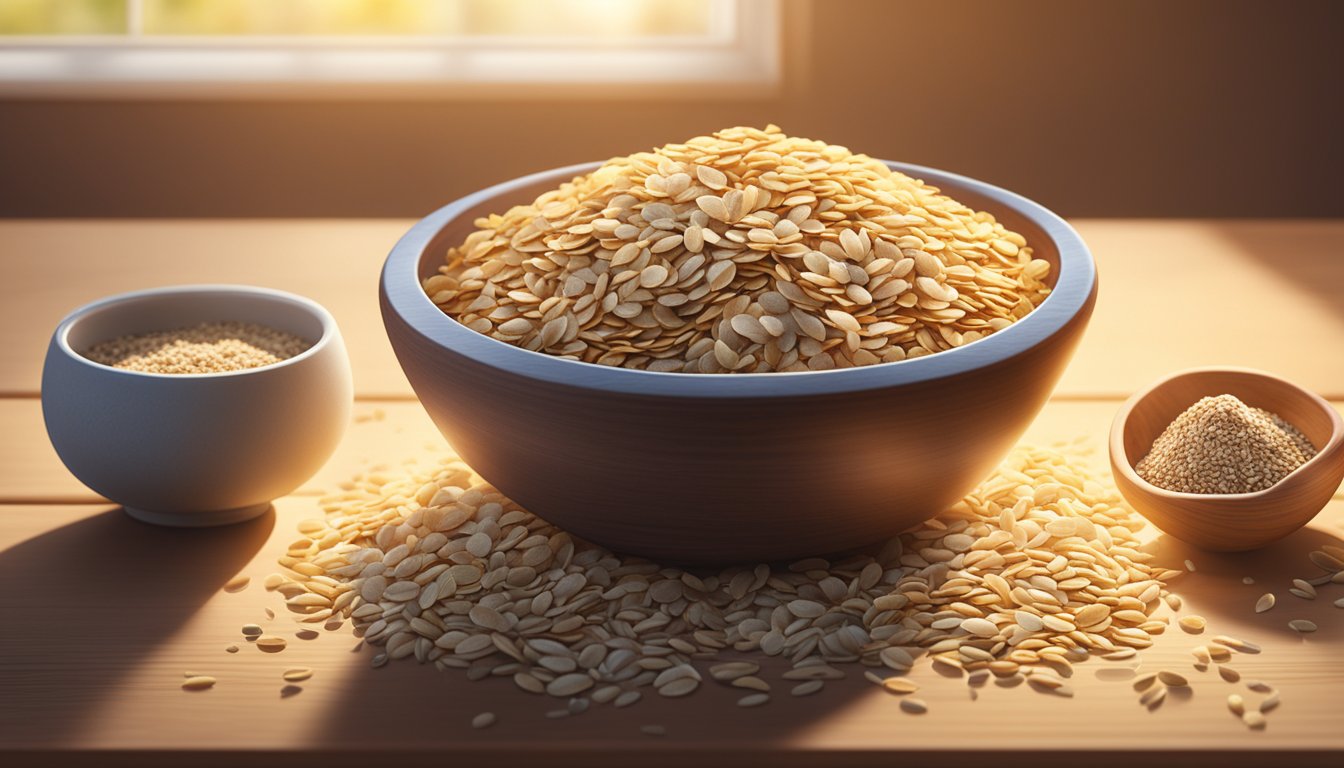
(754, 700)
(1302, 626)
(237, 583)
(483, 720)
(914, 706)
(271, 643)
(1193, 624)
(1032, 573)
(198, 683)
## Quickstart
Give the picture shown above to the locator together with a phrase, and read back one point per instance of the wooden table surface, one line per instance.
(103, 615)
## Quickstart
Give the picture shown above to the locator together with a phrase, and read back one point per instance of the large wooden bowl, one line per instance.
(712, 468)
(1229, 522)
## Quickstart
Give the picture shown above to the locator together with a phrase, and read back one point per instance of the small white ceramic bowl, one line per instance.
(196, 449)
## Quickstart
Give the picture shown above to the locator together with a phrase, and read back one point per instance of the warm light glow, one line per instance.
(606, 19)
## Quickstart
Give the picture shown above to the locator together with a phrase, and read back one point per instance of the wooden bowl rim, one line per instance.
(1121, 462)
(1075, 287)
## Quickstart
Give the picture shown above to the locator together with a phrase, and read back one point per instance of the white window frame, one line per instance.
(740, 55)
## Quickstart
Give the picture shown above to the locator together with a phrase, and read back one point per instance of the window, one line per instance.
(392, 47)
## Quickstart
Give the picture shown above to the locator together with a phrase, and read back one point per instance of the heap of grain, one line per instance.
(744, 251)
(215, 347)
(1222, 445)
(1034, 570)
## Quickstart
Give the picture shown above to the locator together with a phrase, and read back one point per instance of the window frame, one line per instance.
(742, 54)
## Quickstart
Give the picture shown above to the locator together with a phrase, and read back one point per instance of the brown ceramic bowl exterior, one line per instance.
(713, 468)
(1229, 522)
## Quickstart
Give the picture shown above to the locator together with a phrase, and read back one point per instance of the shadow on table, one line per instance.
(1217, 589)
(382, 702)
(84, 603)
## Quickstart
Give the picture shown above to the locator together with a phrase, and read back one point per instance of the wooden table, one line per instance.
(102, 615)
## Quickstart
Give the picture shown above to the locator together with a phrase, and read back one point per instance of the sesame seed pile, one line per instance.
(745, 251)
(1222, 445)
(204, 348)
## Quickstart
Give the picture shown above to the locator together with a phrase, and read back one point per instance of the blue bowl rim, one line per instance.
(403, 295)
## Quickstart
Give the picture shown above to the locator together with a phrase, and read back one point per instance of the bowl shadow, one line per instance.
(85, 603)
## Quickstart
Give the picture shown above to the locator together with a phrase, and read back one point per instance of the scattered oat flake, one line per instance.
(483, 720)
(237, 583)
(1271, 702)
(1244, 646)
(914, 706)
(899, 685)
(1302, 625)
(1172, 679)
(198, 683)
(297, 674)
(1190, 566)
(252, 630)
(1254, 719)
(1303, 589)
(271, 643)
(1265, 602)
(1247, 580)
(1193, 624)
(231, 649)
(1153, 697)
(753, 700)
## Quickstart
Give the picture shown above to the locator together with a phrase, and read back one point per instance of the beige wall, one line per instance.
(1133, 108)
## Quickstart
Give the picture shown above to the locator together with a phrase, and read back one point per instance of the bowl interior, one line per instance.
(1160, 405)
(457, 230)
(167, 309)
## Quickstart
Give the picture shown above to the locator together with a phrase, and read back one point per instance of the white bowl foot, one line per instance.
(199, 519)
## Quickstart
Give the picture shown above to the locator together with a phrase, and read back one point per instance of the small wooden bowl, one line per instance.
(1230, 522)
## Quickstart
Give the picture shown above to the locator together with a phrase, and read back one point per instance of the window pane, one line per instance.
(300, 17)
(544, 18)
(587, 18)
(62, 17)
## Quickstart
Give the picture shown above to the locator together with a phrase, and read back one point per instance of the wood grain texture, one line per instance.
(103, 634)
(1229, 522)
(1209, 292)
(103, 615)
